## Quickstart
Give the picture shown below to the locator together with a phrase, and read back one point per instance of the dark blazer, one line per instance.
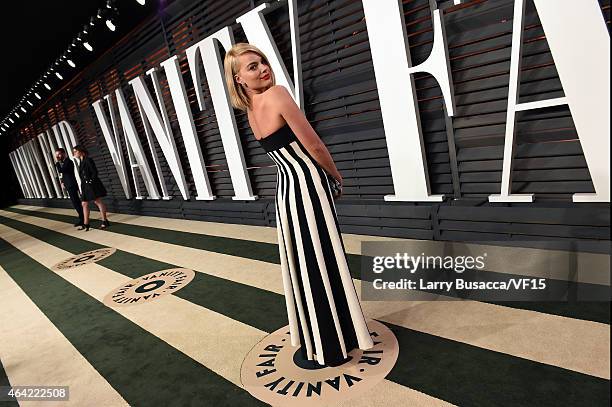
(66, 169)
(88, 170)
(91, 186)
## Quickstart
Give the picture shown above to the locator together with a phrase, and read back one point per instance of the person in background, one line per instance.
(92, 188)
(65, 168)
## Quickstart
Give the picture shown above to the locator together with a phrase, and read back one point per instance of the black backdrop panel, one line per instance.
(464, 153)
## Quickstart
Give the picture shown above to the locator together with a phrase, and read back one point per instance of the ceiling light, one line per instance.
(87, 46)
(17, 115)
(110, 23)
(37, 95)
(71, 63)
(29, 103)
(59, 76)
(23, 110)
(11, 120)
(141, 2)
(47, 86)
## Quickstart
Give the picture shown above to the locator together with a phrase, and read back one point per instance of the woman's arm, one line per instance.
(89, 169)
(280, 100)
(94, 169)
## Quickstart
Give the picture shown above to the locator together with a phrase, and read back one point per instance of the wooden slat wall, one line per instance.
(342, 104)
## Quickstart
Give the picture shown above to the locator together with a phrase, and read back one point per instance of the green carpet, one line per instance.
(134, 361)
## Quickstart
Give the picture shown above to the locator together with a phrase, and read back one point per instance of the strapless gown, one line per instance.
(324, 313)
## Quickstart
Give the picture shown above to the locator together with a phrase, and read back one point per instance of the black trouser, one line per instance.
(73, 192)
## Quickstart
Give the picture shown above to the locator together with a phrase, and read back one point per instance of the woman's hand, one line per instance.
(340, 194)
(336, 174)
(337, 187)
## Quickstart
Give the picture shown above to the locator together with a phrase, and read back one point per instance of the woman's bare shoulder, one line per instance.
(277, 91)
(278, 98)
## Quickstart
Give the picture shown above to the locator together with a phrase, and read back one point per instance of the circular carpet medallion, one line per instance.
(81, 259)
(149, 287)
(276, 373)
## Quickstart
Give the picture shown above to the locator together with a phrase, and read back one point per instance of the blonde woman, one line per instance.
(324, 313)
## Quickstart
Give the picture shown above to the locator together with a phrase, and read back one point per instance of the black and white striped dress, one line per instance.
(324, 313)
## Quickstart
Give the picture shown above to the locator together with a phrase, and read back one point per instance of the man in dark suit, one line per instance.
(65, 168)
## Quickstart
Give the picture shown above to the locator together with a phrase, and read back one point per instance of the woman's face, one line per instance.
(76, 153)
(256, 75)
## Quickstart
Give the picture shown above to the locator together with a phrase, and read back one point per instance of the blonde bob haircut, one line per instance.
(238, 95)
